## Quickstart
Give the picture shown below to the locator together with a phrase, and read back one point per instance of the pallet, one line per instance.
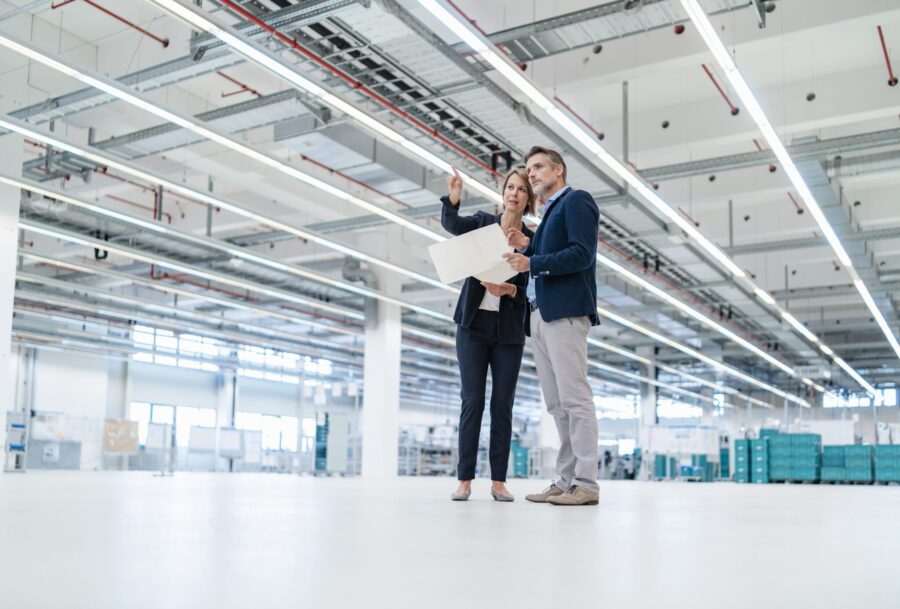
(795, 481)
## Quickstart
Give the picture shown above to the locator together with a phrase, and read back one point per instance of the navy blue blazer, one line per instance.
(513, 311)
(563, 257)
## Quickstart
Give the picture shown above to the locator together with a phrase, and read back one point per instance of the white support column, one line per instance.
(226, 400)
(649, 399)
(10, 164)
(381, 378)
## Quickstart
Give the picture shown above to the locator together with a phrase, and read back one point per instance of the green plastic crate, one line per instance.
(859, 475)
(767, 433)
(887, 451)
(887, 474)
(805, 474)
(859, 450)
(806, 439)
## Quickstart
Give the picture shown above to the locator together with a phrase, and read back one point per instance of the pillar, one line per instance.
(10, 164)
(649, 397)
(381, 386)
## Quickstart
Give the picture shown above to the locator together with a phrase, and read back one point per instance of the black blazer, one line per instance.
(512, 310)
(563, 258)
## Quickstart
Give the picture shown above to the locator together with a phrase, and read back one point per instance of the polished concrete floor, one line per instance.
(71, 540)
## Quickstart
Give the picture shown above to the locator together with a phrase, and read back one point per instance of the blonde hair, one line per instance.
(531, 206)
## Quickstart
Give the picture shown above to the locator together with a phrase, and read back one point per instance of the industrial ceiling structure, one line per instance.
(265, 172)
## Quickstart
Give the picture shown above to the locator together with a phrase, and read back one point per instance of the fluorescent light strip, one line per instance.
(668, 298)
(700, 381)
(648, 380)
(139, 100)
(742, 88)
(216, 244)
(61, 143)
(182, 268)
(696, 354)
(487, 50)
(200, 20)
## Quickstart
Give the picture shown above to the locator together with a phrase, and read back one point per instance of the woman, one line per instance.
(490, 334)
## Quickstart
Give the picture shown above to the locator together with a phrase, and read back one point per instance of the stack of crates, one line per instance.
(795, 457)
(724, 462)
(887, 463)
(759, 461)
(519, 460)
(858, 463)
(742, 460)
(806, 457)
(780, 460)
(659, 467)
(834, 468)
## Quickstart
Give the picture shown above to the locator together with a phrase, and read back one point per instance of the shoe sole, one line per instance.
(571, 504)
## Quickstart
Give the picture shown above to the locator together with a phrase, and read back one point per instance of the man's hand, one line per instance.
(500, 289)
(518, 262)
(517, 239)
(454, 187)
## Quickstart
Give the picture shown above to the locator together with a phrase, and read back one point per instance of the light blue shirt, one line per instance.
(530, 292)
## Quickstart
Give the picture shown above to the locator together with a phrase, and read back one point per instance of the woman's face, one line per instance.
(515, 195)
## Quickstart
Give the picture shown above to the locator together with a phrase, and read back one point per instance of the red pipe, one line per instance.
(734, 110)
(887, 59)
(354, 180)
(688, 216)
(243, 88)
(163, 41)
(599, 135)
(797, 205)
(139, 206)
(772, 168)
(634, 167)
(356, 84)
(205, 286)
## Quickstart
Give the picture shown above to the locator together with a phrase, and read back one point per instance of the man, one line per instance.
(562, 292)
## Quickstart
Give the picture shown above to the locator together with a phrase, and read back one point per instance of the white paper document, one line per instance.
(478, 253)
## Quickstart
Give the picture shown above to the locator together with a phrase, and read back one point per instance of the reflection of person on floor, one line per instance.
(561, 262)
(490, 334)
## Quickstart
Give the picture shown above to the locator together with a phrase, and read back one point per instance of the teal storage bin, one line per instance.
(834, 474)
(759, 446)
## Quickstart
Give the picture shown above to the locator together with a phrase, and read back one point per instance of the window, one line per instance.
(887, 397)
(670, 409)
(164, 346)
(251, 421)
(612, 407)
(309, 435)
(140, 412)
(289, 429)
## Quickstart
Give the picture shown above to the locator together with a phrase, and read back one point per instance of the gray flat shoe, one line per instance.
(460, 496)
(502, 496)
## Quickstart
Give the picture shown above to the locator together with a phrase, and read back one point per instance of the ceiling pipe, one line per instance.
(892, 80)
(734, 109)
(163, 41)
(243, 88)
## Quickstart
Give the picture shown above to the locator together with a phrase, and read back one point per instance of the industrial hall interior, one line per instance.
(326, 303)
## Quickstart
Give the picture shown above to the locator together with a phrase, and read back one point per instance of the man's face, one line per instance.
(543, 175)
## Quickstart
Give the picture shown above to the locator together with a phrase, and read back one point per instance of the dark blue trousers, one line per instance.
(478, 349)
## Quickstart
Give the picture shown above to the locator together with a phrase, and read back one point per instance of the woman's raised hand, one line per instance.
(454, 187)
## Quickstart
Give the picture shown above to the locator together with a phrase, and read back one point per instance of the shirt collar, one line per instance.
(556, 195)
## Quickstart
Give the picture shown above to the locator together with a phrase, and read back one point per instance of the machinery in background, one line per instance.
(16, 447)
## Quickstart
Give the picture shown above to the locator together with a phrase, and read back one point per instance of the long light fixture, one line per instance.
(237, 252)
(139, 100)
(451, 19)
(624, 321)
(693, 378)
(200, 20)
(754, 109)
